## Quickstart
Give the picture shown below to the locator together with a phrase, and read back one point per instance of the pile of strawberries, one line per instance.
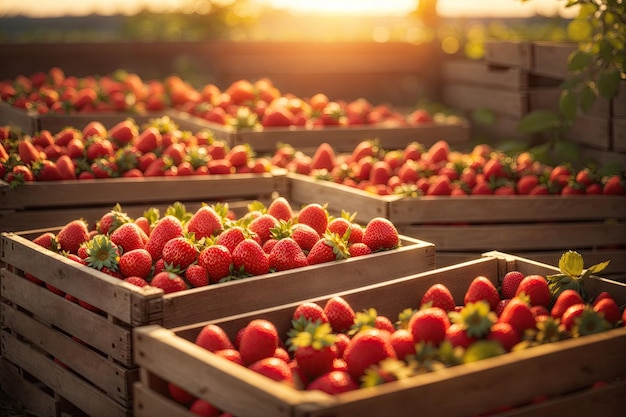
(440, 171)
(126, 150)
(182, 249)
(332, 348)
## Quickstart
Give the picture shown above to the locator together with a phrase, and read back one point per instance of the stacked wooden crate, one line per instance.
(516, 78)
(58, 355)
(561, 373)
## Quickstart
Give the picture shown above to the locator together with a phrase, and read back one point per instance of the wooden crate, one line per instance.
(563, 371)
(41, 204)
(618, 130)
(39, 325)
(480, 223)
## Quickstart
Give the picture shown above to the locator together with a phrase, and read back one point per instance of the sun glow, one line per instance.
(397, 7)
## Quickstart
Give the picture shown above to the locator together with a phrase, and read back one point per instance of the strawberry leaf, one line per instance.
(571, 263)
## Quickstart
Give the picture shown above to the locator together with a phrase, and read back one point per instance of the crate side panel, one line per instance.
(149, 403)
(481, 73)
(21, 119)
(548, 99)
(619, 102)
(550, 58)
(619, 134)
(472, 97)
(511, 53)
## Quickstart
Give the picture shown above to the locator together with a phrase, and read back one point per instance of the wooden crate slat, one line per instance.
(619, 102)
(472, 97)
(111, 339)
(76, 390)
(512, 53)
(547, 98)
(550, 58)
(516, 237)
(27, 122)
(114, 379)
(481, 73)
(619, 134)
(149, 403)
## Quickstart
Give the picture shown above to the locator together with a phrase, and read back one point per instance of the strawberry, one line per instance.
(609, 310)
(273, 368)
(614, 185)
(136, 262)
(339, 225)
(249, 258)
(148, 140)
(158, 167)
(440, 186)
(380, 172)
(232, 355)
(204, 408)
(429, 325)
(564, 300)
(505, 334)
(99, 148)
(526, 183)
(287, 254)
(262, 225)
(281, 209)
(129, 236)
(46, 170)
(124, 132)
(180, 395)
(517, 313)
(47, 240)
(438, 295)
(359, 249)
(304, 235)
(500, 307)
(310, 311)
(402, 343)
(571, 315)
(334, 382)
(168, 227)
(314, 215)
(137, 281)
(259, 339)
(72, 235)
(457, 335)
(339, 313)
(313, 348)
(179, 252)
(536, 288)
(438, 152)
(510, 283)
(169, 282)
(213, 338)
(324, 157)
(217, 260)
(329, 248)
(197, 275)
(481, 288)
(231, 237)
(28, 153)
(368, 347)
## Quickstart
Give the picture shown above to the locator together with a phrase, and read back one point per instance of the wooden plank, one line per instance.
(619, 134)
(482, 73)
(547, 98)
(472, 97)
(603, 157)
(509, 53)
(103, 372)
(618, 103)
(27, 122)
(520, 237)
(76, 390)
(149, 403)
(550, 58)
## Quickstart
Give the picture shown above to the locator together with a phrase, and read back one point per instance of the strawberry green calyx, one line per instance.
(316, 335)
(387, 370)
(364, 320)
(590, 322)
(179, 211)
(403, 318)
(102, 253)
(338, 244)
(476, 318)
(482, 349)
(572, 274)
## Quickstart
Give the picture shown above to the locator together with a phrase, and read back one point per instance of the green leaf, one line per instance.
(571, 263)
(538, 121)
(587, 98)
(578, 60)
(566, 151)
(484, 117)
(579, 29)
(594, 269)
(568, 104)
(608, 83)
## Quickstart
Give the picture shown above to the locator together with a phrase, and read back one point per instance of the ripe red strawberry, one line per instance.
(66, 167)
(124, 132)
(281, 209)
(180, 395)
(328, 249)
(510, 283)
(339, 225)
(481, 288)
(169, 282)
(137, 281)
(311, 312)
(136, 262)
(517, 313)
(166, 228)
(614, 185)
(231, 237)
(526, 183)
(205, 222)
(232, 355)
(438, 295)
(148, 140)
(46, 170)
(304, 235)
(381, 234)
(564, 300)
(204, 408)
(380, 172)
(368, 347)
(262, 225)
(217, 260)
(457, 335)
(28, 153)
(429, 325)
(287, 254)
(359, 249)
(249, 258)
(47, 240)
(536, 288)
(573, 312)
(259, 339)
(505, 334)
(313, 348)
(72, 235)
(402, 343)
(213, 338)
(334, 382)
(179, 252)
(323, 158)
(197, 275)
(609, 310)
(339, 313)
(273, 368)
(314, 215)
(129, 236)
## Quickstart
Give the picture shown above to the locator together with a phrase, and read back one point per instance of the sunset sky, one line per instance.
(496, 8)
